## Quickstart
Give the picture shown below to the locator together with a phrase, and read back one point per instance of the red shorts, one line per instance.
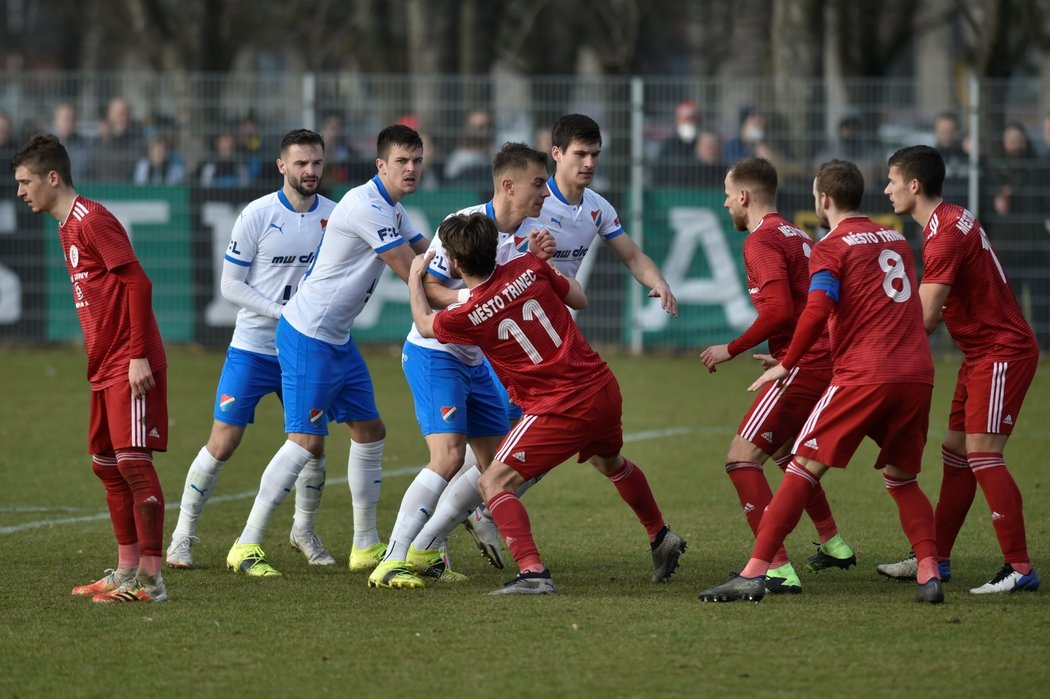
(895, 415)
(988, 395)
(119, 421)
(780, 409)
(540, 442)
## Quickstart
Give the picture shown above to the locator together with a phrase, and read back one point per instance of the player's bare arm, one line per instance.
(715, 355)
(400, 260)
(933, 297)
(542, 244)
(576, 298)
(420, 246)
(439, 295)
(140, 376)
(773, 373)
(645, 271)
(417, 298)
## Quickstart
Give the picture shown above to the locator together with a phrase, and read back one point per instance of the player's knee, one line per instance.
(224, 441)
(105, 467)
(367, 431)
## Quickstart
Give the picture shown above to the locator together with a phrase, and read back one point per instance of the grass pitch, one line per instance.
(609, 633)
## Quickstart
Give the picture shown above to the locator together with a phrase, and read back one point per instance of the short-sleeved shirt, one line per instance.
(876, 328)
(774, 251)
(365, 223)
(981, 311)
(94, 244)
(470, 355)
(519, 319)
(277, 244)
(575, 227)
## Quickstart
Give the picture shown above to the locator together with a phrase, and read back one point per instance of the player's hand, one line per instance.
(773, 373)
(766, 359)
(715, 355)
(420, 263)
(140, 376)
(667, 300)
(542, 244)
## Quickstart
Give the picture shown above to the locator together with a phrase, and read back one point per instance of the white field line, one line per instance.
(250, 494)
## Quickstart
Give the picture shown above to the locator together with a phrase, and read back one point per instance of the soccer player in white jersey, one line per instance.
(457, 399)
(575, 215)
(272, 244)
(323, 375)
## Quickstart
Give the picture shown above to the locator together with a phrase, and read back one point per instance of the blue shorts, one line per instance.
(451, 397)
(322, 382)
(246, 377)
(512, 408)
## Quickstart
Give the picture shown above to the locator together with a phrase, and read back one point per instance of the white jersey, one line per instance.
(271, 247)
(575, 227)
(471, 355)
(347, 267)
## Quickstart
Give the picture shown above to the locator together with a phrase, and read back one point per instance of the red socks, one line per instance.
(1004, 501)
(118, 498)
(513, 522)
(752, 489)
(916, 516)
(958, 487)
(630, 482)
(136, 469)
(783, 512)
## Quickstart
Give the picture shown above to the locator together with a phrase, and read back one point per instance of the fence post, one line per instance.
(634, 294)
(309, 119)
(972, 194)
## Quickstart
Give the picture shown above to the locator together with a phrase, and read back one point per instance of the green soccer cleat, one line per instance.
(368, 558)
(396, 575)
(833, 553)
(432, 563)
(250, 559)
(783, 581)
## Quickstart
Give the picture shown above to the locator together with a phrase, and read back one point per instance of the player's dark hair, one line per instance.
(43, 154)
(921, 163)
(301, 137)
(396, 135)
(518, 157)
(841, 180)
(755, 174)
(470, 241)
(575, 127)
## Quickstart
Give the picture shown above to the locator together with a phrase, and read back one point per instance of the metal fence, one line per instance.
(185, 152)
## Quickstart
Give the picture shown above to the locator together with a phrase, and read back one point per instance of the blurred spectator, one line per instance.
(8, 143)
(470, 162)
(222, 168)
(1018, 226)
(1046, 135)
(675, 165)
(249, 146)
(160, 165)
(750, 132)
(79, 147)
(336, 150)
(120, 144)
(542, 142)
(947, 138)
(709, 169)
(858, 142)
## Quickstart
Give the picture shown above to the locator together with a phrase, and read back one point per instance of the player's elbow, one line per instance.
(576, 302)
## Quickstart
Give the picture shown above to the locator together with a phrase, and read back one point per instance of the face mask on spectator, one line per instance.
(686, 131)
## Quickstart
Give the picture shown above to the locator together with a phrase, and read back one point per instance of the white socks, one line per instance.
(417, 506)
(308, 488)
(459, 500)
(200, 483)
(364, 474)
(277, 481)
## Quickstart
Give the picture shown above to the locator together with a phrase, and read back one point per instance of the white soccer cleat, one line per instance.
(905, 569)
(486, 535)
(180, 552)
(1009, 580)
(312, 547)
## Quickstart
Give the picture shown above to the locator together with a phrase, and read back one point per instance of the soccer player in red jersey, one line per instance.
(126, 367)
(776, 258)
(863, 287)
(516, 313)
(964, 285)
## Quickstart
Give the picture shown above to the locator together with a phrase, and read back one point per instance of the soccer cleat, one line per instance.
(908, 568)
(180, 553)
(931, 592)
(111, 581)
(250, 560)
(783, 581)
(368, 558)
(395, 575)
(666, 550)
(486, 535)
(312, 547)
(135, 590)
(529, 584)
(433, 563)
(833, 553)
(1009, 580)
(736, 588)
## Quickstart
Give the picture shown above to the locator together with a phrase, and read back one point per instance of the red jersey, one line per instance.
(777, 250)
(876, 328)
(93, 244)
(519, 320)
(981, 311)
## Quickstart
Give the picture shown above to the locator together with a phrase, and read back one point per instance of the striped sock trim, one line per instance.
(953, 459)
(796, 469)
(982, 461)
(737, 465)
